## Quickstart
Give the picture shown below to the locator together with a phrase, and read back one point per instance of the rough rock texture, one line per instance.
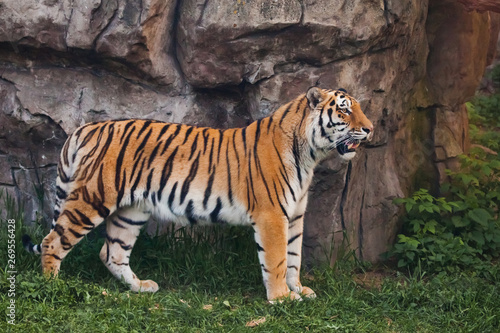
(482, 5)
(411, 64)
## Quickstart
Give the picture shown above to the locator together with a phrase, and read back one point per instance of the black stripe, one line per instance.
(53, 255)
(171, 138)
(188, 133)
(72, 218)
(121, 190)
(119, 241)
(236, 152)
(126, 128)
(189, 212)
(143, 128)
(98, 205)
(296, 156)
(148, 183)
(208, 190)
(269, 124)
(293, 266)
(65, 152)
(104, 150)
(120, 264)
(205, 139)
(163, 131)
(250, 177)
(210, 155)
(291, 240)
(137, 179)
(279, 202)
(107, 251)
(229, 187)
(296, 218)
(311, 153)
(244, 138)
(330, 123)
(292, 253)
(87, 138)
(131, 222)
(171, 196)
(119, 161)
(100, 184)
(62, 174)
(248, 194)
(192, 174)
(304, 109)
(59, 229)
(285, 113)
(284, 174)
(83, 218)
(282, 189)
(320, 122)
(221, 137)
(281, 160)
(167, 170)
(136, 164)
(281, 263)
(256, 142)
(60, 193)
(80, 130)
(143, 143)
(194, 146)
(115, 223)
(153, 155)
(66, 245)
(259, 248)
(214, 215)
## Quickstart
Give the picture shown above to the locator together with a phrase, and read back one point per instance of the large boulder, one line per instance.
(412, 65)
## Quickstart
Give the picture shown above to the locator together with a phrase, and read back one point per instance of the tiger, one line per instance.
(125, 171)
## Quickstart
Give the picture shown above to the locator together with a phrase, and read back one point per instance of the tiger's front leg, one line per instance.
(271, 231)
(294, 255)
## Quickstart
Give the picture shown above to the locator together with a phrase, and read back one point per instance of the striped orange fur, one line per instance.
(122, 172)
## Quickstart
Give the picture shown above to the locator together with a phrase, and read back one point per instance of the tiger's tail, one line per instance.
(29, 246)
(64, 172)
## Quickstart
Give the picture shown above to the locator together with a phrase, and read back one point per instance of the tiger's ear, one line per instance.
(343, 90)
(314, 96)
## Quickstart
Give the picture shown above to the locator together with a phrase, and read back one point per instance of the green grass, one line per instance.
(218, 269)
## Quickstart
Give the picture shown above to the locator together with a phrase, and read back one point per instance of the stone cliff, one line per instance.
(412, 64)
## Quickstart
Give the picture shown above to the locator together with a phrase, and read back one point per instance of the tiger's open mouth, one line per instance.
(348, 147)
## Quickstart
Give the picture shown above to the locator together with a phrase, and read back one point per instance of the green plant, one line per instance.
(461, 229)
(484, 118)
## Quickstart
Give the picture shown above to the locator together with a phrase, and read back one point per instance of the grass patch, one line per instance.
(212, 282)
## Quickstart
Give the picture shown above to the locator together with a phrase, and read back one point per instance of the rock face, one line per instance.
(411, 64)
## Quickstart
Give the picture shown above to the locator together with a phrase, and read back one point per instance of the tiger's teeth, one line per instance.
(349, 146)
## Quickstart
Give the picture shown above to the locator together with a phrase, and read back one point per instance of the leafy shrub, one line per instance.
(461, 230)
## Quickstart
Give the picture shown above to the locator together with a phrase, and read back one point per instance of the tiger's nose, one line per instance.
(369, 132)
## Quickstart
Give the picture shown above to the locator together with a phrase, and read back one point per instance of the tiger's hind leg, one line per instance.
(79, 215)
(122, 229)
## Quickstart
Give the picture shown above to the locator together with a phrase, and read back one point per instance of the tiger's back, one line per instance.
(125, 171)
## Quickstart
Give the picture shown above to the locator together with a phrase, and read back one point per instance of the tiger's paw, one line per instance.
(291, 296)
(148, 286)
(308, 292)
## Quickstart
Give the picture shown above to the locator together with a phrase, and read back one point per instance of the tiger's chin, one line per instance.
(348, 156)
(347, 151)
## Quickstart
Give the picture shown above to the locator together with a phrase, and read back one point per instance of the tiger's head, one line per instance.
(337, 121)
